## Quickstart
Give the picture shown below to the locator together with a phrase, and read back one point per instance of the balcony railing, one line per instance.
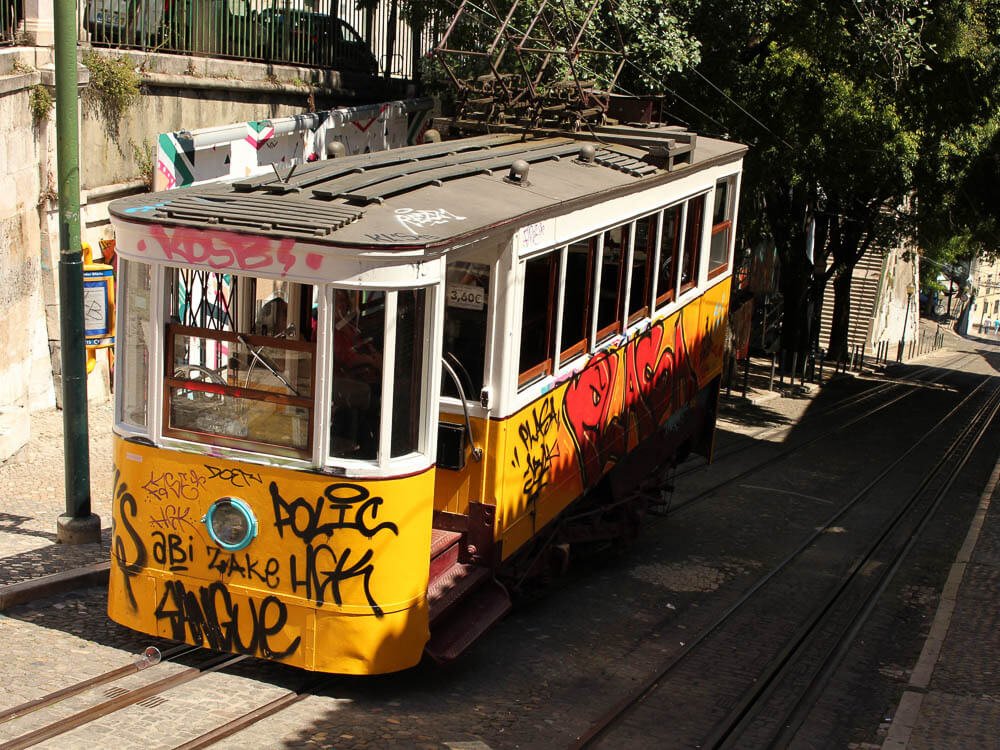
(333, 34)
(11, 15)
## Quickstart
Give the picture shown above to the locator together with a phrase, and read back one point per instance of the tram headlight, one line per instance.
(231, 523)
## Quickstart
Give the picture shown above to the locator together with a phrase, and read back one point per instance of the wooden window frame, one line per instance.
(693, 239)
(173, 330)
(652, 242)
(547, 366)
(615, 327)
(725, 225)
(581, 346)
(670, 295)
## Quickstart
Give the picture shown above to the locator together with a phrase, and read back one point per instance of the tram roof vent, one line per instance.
(261, 214)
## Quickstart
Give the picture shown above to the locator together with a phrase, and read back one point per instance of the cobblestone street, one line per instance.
(535, 681)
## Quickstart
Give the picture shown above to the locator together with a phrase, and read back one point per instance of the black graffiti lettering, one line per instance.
(129, 564)
(538, 451)
(325, 570)
(235, 477)
(170, 551)
(212, 618)
(174, 518)
(185, 485)
(400, 237)
(537, 469)
(342, 506)
(245, 566)
(543, 418)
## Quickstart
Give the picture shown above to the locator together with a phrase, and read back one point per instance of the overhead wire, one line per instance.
(486, 14)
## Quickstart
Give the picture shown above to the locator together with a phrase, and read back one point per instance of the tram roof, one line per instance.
(430, 195)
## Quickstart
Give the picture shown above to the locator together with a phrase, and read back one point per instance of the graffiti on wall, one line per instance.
(191, 157)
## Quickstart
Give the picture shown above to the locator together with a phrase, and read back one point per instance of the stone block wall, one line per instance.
(25, 365)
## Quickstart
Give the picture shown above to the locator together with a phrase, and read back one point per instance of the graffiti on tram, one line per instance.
(332, 536)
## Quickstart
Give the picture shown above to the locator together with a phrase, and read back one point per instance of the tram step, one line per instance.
(453, 585)
(444, 551)
(475, 615)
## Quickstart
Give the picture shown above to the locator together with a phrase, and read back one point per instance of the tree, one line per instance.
(818, 90)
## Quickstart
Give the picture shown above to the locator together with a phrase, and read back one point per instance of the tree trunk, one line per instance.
(841, 320)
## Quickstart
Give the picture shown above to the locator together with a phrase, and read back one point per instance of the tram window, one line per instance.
(358, 344)
(722, 222)
(465, 317)
(133, 342)
(666, 276)
(540, 275)
(609, 295)
(408, 376)
(692, 242)
(575, 325)
(240, 371)
(641, 269)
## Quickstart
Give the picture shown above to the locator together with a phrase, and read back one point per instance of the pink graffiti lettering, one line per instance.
(224, 250)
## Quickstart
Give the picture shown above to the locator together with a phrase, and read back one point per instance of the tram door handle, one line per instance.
(477, 452)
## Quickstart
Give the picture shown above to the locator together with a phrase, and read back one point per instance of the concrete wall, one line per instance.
(897, 315)
(116, 158)
(25, 374)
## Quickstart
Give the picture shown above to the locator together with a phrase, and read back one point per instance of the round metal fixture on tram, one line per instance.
(231, 523)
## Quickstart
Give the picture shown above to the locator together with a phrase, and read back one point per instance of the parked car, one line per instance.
(315, 39)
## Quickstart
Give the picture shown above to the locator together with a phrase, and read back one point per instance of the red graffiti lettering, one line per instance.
(222, 250)
(594, 425)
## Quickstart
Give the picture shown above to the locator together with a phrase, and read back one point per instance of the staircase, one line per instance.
(465, 600)
(866, 282)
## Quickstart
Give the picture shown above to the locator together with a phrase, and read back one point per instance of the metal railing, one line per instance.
(334, 34)
(11, 15)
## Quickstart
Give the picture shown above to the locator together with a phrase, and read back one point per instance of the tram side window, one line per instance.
(537, 313)
(358, 344)
(722, 223)
(133, 342)
(465, 319)
(408, 372)
(666, 274)
(642, 268)
(692, 242)
(575, 325)
(240, 361)
(612, 284)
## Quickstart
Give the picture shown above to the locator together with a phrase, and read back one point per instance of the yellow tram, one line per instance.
(348, 400)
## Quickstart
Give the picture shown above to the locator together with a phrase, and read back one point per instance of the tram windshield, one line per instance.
(240, 356)
(270, 366)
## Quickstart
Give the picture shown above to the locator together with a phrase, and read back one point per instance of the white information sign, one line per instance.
(466, 296)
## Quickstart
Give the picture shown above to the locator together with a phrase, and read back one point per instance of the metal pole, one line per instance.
(746, 375)
(770, 380)
(78, 525)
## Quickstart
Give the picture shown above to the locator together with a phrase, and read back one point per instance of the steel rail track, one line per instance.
(150, 657)
(749, 441)
(111, 705)
(918, 510)
(648, 686)
(250, 718)
(672, 507)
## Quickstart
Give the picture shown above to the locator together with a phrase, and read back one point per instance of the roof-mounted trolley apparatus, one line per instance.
(354, 404)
